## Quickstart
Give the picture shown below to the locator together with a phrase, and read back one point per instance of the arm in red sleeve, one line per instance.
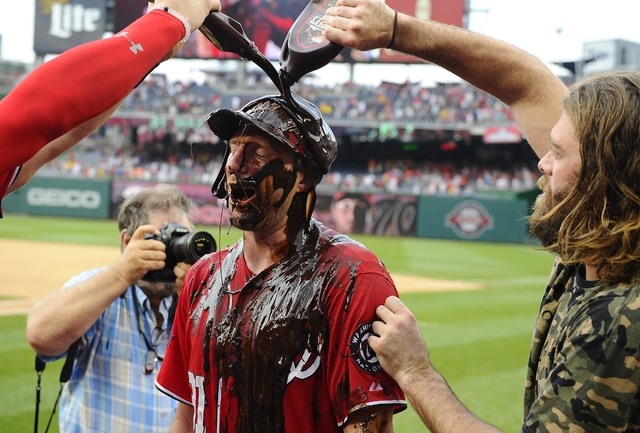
(80, 84)
(56, 148)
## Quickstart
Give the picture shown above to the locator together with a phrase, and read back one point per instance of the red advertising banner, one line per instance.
(266, 23)
(502, 135)
(346, 212)
(206, 209)
(373, 214)
(444, 11)
(63, 24)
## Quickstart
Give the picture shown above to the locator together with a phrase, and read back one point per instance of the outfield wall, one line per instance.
(484, 219)
(61, 197)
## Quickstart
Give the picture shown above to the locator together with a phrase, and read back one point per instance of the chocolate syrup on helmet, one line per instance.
(305, 48)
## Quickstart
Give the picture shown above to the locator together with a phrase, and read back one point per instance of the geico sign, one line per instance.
(55, 197)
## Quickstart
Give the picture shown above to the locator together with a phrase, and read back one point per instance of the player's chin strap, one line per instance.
(65, 375)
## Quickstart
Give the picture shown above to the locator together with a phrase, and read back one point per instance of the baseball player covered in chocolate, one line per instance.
(271, 333)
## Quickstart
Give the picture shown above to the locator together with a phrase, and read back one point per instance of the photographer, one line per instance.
(121, 320)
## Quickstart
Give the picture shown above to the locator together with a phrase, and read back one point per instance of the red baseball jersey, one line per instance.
(285, 350)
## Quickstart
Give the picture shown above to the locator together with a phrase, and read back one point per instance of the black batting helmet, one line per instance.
(298, 125)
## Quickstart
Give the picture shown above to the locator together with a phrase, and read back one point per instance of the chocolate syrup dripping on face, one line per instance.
(282, 179)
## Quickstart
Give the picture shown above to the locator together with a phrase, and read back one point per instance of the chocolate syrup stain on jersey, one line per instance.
(268, 331)
(278, 316)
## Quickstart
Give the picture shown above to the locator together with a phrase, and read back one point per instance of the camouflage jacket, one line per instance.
(584, 368)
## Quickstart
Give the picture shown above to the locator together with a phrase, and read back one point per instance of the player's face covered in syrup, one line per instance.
(262, 176)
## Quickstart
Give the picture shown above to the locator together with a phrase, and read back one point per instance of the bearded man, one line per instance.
(583, 373)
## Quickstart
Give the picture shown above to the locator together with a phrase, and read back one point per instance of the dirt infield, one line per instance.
(30, 270)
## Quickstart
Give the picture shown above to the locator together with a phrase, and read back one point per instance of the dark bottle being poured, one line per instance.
(228, 35)
(305, 48)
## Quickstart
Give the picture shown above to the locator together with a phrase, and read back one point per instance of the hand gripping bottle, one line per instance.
(305, 48)
(228, 35)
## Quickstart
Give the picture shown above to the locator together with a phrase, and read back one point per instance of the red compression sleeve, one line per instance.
(81, 83)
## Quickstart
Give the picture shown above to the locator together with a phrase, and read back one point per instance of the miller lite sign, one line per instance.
(63, 24)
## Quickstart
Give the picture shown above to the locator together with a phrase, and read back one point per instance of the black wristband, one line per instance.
(395, 27)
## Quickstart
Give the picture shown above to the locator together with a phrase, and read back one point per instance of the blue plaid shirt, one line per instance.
(109, 389)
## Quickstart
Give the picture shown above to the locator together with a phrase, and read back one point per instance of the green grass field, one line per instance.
(478, 339)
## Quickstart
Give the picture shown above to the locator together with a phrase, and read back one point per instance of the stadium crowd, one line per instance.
(446, 103)
(189, 152)
(392, 176)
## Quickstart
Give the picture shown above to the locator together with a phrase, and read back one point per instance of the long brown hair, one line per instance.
(602, 228)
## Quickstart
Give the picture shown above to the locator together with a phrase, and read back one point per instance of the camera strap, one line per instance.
(65, 375)
(141, 327)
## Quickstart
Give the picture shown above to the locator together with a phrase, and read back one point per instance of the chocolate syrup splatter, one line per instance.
(278, 315)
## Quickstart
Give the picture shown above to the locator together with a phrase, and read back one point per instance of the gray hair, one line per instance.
(134, 211)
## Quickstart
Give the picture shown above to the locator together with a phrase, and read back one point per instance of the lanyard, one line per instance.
(152, 354)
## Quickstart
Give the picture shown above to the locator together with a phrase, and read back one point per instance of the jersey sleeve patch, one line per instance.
(361, 353)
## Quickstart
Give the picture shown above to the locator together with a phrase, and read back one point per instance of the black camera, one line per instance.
(181, 246)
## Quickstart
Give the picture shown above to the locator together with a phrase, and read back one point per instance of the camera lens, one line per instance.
(191, 247)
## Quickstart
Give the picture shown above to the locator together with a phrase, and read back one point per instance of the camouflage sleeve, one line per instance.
(593, 385)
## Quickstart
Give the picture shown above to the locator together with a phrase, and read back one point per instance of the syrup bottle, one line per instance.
(305, 48)
(228, 35)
